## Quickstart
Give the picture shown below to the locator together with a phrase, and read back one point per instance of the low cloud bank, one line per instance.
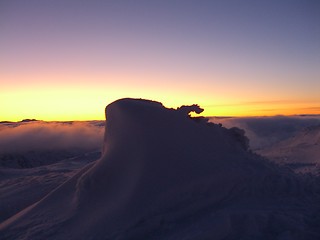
(43, 136)
(265, 131)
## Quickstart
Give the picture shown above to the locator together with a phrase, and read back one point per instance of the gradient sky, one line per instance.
(66, 60)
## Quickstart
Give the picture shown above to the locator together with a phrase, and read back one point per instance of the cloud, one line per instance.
(274, 102)
(42, 136)
(265, 131)
(254, 103)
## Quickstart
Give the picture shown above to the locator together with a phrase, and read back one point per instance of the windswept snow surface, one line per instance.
(21, 187)
(300, 152)
(164, 175)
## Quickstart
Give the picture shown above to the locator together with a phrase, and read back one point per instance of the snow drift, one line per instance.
(165, 175)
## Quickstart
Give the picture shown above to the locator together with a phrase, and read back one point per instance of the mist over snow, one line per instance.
(37, 156)
(42, 136)
(266, 131)
(300, 152)
(36, 143)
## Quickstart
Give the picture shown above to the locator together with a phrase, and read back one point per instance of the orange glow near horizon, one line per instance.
(84, 97)
(263, 109)
(80, 102)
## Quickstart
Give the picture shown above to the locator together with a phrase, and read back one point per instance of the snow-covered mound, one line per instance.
(164, 175)
(301, 152)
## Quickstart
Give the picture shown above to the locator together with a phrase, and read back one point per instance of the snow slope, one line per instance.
(301, 152)
(21, 187)
(164, 175)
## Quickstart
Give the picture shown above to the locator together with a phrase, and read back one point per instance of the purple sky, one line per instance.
(238, 51)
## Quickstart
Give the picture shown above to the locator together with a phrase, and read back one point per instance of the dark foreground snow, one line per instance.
(164, 175)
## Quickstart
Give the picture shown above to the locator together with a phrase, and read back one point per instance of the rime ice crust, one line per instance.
(164, 176)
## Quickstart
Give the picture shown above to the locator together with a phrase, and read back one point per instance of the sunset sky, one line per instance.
(68, 59)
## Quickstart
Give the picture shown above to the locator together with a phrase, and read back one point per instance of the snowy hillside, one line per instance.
(164, 175)
(21, 187)
(301, 152)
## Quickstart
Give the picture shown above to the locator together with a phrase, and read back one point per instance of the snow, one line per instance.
(34, 183)
(165, 175)
(300, 152)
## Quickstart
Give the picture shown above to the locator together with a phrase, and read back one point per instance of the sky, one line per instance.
(66, 60)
